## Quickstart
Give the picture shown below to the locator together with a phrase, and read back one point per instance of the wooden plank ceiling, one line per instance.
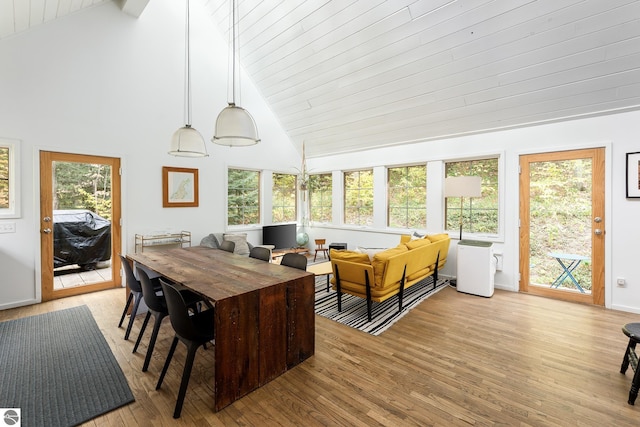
(346, 75)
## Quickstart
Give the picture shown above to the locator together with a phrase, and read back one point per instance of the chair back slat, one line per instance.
(151, 299)
(132, 282)
(228, 246)
(260, 252)
(294, 260)
(178, 312)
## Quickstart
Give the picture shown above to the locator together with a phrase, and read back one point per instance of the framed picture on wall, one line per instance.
(179, 187)
(633, 175)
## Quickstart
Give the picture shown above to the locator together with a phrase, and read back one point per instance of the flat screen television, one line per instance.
(282, 236)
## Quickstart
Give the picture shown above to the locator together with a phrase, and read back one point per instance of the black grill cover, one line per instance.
(80, 237)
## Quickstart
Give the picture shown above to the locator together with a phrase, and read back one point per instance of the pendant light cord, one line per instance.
(235, 53)
(187, 49)
(234, 34)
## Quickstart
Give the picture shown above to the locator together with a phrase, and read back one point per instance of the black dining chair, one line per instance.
(260, 252)
(228, 246)
(294, 260)
(135, 294)
(193, 330)
(157, 306)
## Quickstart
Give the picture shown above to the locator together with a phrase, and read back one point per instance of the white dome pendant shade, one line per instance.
(187, 141)
(234, 125)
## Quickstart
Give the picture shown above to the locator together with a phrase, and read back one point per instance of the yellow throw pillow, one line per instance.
(437, 237)
(417, 243)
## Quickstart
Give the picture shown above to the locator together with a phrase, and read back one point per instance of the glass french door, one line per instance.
(562, 225)
(79, 223)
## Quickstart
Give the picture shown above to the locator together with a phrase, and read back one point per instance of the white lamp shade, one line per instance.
(188, 142)
(235, 127)
(463, 186)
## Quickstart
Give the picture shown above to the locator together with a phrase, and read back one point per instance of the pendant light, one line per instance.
(234, 125)
(187, 141)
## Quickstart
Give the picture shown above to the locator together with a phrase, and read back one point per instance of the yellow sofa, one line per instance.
(390, 271)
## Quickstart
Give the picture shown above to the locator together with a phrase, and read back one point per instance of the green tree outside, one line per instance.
(243, 197)
(82, 186)
(320, 197)
(284, 206)
(560, 227)
(358, 197)
(407, 197)
(4, 177)
(480, 214)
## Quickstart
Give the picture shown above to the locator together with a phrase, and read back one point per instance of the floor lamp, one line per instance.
(462, 186)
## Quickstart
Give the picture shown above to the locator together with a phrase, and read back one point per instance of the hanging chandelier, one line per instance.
(187, 141)
(234, 125)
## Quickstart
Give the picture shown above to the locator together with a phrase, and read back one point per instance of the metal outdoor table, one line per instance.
(567, 268)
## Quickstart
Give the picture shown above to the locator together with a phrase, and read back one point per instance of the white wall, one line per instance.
(618, 133)
(101, 82)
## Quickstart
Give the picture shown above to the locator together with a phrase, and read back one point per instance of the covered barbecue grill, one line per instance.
(80, 237)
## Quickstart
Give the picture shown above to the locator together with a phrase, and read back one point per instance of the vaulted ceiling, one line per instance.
(345, 75)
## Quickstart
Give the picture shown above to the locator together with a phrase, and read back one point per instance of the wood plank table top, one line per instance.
(214, 273)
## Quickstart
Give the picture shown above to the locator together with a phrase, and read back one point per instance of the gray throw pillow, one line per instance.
(417, 235)
(210, 241)
(240, 239)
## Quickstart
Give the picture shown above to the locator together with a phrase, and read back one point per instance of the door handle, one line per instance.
(47, 231)
(597, 232)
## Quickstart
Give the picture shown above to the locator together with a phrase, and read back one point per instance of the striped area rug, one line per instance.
(384, 314)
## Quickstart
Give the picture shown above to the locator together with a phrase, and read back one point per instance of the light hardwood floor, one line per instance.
(456, 360)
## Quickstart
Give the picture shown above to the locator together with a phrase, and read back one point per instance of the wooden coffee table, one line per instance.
(323, 268)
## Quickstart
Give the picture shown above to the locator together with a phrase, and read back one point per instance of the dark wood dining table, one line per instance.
(264, 313)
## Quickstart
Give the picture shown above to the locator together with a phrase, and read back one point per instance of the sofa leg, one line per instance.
(401, 293)
(368, 288)
(435, 273)
(338, 290)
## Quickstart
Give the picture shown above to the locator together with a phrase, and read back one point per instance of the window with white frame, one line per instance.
(283, 198)
(480, 214)
(243, 197)
(320, 197)
(407, 196)
(358, 197)
(9, 193)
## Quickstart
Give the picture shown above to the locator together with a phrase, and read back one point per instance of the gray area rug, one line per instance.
(58, 369)
(384, 314)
